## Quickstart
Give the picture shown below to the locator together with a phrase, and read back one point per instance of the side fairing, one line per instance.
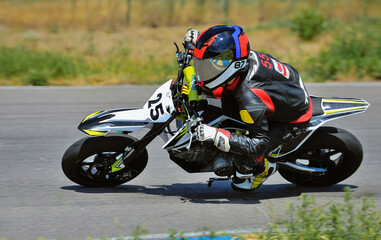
(117, 120)
(329, 109)
(158, 109)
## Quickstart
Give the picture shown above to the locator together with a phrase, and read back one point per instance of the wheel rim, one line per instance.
(98, 167)
(327, 158)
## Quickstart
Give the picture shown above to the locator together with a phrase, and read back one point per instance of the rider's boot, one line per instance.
(249, 182)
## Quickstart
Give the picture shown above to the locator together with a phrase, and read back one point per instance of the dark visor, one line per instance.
(207, 69)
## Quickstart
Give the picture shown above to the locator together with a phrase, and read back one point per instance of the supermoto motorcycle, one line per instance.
(110, 155)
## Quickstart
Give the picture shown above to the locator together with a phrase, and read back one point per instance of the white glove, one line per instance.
(219, 137)
(191, 36)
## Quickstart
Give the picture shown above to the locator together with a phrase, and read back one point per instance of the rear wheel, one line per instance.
(334, 149)
(88, 162)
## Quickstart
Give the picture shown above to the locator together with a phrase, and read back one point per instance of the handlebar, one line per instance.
(183, 59)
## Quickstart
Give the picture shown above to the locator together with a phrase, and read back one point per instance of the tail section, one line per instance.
(326, 109)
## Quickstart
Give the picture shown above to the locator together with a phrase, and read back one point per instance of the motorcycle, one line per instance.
(110, 155)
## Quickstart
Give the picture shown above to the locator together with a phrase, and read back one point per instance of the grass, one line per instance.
(356, 52)
(103, 42)
(307, 220)
(23, 66)
(31, 64)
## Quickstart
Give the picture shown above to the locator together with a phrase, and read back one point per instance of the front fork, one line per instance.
(130, 152)
(120, 164)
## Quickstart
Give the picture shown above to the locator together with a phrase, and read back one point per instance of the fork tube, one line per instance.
(139, 145)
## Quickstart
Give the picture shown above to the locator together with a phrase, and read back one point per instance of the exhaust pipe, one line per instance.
(302, 168)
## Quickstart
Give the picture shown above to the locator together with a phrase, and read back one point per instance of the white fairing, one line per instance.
(333, 108)
(158, 109)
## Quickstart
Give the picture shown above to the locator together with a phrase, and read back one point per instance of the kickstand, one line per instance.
(211, 180)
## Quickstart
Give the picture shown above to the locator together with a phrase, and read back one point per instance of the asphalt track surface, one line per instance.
(37, 124)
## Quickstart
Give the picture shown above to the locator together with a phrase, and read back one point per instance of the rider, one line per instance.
(269, 96)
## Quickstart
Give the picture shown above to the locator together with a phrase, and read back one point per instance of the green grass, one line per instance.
(101, 42)
(307, 220)
(34, 67)
(31, 67)
(308, 23)
(355, 51)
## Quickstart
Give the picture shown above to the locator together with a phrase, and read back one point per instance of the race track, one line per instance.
(37, 124)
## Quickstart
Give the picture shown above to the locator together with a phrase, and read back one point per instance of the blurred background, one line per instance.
(107, 42)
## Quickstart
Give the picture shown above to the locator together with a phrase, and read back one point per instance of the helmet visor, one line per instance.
(207, 69)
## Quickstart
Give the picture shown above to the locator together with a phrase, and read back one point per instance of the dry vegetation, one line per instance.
(130, 41)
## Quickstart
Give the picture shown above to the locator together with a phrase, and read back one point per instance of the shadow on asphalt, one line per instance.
(217, 193)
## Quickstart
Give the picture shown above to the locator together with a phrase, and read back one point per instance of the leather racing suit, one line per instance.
(272, 101)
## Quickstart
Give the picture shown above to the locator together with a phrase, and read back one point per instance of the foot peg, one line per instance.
(211, 180)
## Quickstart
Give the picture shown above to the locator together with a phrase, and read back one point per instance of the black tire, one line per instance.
(334, 149)
(88, 161)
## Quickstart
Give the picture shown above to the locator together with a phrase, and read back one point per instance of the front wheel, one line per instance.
(334, 149)
(89, 161)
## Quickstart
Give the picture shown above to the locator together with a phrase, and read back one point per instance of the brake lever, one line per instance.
(194, 123)
(177, 48)
(179, 55)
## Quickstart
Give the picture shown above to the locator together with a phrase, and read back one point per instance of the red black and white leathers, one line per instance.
(271, 99)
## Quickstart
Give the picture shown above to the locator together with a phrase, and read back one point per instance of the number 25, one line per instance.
(158, 109)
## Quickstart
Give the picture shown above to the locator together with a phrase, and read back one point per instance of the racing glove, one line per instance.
(191, 36)
(219, 137)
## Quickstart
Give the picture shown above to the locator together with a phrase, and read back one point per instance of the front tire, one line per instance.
(88, 161)
(334, 149)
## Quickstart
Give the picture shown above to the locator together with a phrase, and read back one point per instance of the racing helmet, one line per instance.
(221, 54)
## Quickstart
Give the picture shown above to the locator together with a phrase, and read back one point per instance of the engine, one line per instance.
(199, 158)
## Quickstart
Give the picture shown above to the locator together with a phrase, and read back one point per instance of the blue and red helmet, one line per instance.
(221, 54)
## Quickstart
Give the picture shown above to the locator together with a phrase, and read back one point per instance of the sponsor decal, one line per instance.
(282, 69)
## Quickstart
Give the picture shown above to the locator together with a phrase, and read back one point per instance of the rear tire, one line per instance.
(334, 149)
(88, 161)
